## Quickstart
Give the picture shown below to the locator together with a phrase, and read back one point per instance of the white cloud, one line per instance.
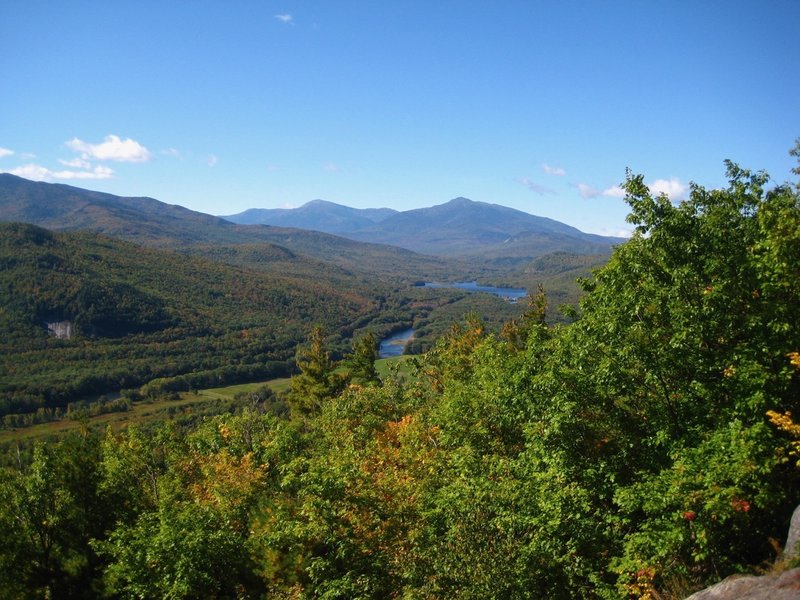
(98, 172)
(76, 163)
(623, 233)
(39, 173)
(330, 167)
(557, 171)
(173, 152)
(111, 148)
(535, 187)
(5, 152)
(614, 192)
(285, 18)
(672, 188)
(31, 171)
(27, 156)
(587, 191)
(211, 160)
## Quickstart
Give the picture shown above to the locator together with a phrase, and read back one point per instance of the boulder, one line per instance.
(782, 586)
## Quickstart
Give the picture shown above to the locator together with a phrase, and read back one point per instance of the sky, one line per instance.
(221, 106)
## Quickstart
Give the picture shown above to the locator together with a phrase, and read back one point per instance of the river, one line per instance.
(511, 294)
(395, 343)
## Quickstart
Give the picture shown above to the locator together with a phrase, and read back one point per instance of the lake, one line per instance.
(511, 294)
(395, 343)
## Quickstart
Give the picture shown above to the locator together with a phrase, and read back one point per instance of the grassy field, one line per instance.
(150, 410)
(383, 365)
(140, 412)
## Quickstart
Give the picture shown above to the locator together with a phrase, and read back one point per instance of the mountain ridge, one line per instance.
(157, 224)
(458, 228)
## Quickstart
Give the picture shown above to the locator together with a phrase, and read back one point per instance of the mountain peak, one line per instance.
(461, 201)
(318, 202)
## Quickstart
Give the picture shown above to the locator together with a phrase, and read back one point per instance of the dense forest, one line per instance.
(138, 314)
(642, 450)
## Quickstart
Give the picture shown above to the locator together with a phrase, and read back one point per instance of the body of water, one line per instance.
(395, 343)
(512, 294)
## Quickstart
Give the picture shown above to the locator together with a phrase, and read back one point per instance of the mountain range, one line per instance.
(458, 228)
(156, 224)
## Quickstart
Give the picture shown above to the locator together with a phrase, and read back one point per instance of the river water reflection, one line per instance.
(472, 286)
(395, 343)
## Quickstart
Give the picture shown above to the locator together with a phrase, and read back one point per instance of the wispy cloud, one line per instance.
(330, 167)
(212, 160)
(111, 148)
(623, 233)
(285, 18)
(5, 152)
(98, 172)
(173, 152)
(587, 191)
(557, 171)
(40, 173)
(76, 163)
(535, 187)
(673, 188)
(614, 192)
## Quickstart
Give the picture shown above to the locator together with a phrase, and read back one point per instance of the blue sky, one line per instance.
(541, 106)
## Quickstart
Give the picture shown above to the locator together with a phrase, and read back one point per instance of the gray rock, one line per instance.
(778, 586)
(790, 549)
(785, 586)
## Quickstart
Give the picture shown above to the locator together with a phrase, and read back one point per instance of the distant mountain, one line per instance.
(459, 228)
(144, 220)
(154, 223)
(317, 215)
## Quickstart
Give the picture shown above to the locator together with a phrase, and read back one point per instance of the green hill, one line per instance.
(139, 313)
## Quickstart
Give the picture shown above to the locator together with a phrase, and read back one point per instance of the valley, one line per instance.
(152, 298)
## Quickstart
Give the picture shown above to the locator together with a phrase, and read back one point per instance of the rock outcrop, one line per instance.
(63, 330)
(777, 586)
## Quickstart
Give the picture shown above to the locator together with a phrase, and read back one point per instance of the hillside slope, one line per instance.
(154, 223)
(466, 228)
(141, 313)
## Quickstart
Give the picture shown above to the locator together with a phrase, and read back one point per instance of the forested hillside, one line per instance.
(139, 314)
(641, 451)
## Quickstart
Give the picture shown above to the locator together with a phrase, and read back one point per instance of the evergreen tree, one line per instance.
(317, 380)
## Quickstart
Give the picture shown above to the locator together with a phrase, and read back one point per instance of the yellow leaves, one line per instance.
(784, 422)
(224, 479)
(729, 371)
(794, 359)
(642, 587)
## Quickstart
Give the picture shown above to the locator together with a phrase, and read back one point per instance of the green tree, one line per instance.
(318, 380)
(49, 514)
(360, 363)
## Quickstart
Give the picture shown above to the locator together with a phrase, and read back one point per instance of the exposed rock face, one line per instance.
(63, 330)
(790, 549)
(785, 586)
(780, 586)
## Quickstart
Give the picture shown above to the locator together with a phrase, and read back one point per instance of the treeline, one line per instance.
(642, 451)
